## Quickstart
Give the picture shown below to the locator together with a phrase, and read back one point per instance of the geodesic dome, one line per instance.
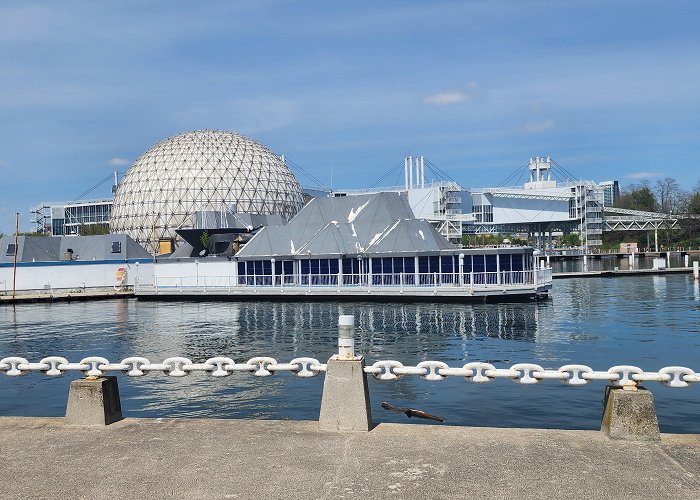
(200, 170)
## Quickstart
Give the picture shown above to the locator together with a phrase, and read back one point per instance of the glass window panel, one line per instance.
(423, 264)
(491, 266)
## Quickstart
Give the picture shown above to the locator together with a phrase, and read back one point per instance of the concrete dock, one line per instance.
(65, 296)
(196, 458)
(622, 272)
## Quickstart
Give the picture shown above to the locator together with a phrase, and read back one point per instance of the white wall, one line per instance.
(203, 272)
(516, 210)
(40, 276)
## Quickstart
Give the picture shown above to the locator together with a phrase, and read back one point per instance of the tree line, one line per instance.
(664, 196)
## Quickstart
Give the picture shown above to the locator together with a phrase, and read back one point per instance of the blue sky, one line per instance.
(609, 89)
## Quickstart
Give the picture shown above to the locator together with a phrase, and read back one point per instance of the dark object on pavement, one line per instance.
(410, 412)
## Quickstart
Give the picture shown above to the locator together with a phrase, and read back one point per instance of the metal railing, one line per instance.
(480, 279)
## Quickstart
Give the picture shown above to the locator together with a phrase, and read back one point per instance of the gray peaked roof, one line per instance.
(349, 225)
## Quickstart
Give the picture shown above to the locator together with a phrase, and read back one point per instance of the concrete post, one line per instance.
(345, 403)
(93, 402)
(630, 415)
(696, 272)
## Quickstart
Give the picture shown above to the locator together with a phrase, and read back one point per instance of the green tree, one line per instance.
(93, 229)
(204, 239)
(694, 203)
(571, 239)
(638, 197)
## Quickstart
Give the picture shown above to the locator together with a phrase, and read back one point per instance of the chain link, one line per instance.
(304, 367)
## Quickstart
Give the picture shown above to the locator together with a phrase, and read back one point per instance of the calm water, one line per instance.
(645, 321)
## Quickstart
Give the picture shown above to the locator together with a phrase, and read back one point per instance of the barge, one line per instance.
(361, 248)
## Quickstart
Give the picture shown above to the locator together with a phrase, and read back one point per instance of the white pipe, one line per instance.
(405, 171)
(410, 172)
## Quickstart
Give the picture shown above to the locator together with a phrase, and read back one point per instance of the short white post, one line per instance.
(345, 404)
(585, 263)
(630, 261)
(346, 336)
(668, 260)
(696, 277)
(687, 260)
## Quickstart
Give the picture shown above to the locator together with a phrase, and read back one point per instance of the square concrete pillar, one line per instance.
(345, 403)
(93, 402)
(630, 415)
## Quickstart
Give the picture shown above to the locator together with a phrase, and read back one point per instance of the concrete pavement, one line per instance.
(198, 458)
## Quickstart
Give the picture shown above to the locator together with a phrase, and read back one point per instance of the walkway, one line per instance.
(180, 458)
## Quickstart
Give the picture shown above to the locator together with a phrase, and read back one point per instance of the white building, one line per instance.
(540, 207)
(67, 218)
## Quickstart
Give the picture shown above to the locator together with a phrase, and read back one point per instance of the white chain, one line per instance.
(263, 366)
(134, 366)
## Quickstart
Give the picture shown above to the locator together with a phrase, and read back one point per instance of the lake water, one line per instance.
(647, 321)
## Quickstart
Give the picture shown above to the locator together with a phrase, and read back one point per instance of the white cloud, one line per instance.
(534, 127)
(118, 162)
(445, 98)
(642, 175)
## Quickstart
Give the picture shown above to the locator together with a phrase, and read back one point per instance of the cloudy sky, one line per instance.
(609, 89)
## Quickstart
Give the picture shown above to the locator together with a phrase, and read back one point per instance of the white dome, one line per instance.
(200, 170)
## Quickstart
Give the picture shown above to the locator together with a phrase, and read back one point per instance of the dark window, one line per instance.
(10, 249)
(347, 266)
(323, 266)
(333, 266)
(387, 265)
(288, 267)
(409, 265)
(305, 266)
(478, 263)
(447, 263)
(398, 264)
(241, 268)
(517, 263)
(116, 247)
(491, 263)
(467, 264)
(258, 266)
(504, 262)
(266, 267)
(434, 263)
(314, 266)
(422, 265)
(376, 265)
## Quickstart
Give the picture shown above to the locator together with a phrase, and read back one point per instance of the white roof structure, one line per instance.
(371, 224)
(201, 170)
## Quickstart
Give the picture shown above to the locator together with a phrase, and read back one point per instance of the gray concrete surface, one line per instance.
(345, 402)
(93, 401)
(629, 414)
(181, 458)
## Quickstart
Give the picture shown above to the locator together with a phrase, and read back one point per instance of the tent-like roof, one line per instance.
(349, 225)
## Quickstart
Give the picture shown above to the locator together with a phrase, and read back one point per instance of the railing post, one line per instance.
(345, 404)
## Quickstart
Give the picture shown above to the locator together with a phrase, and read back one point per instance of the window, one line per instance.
(10, 249)
(116, 247)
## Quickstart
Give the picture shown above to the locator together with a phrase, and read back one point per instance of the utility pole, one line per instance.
(14, 266)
